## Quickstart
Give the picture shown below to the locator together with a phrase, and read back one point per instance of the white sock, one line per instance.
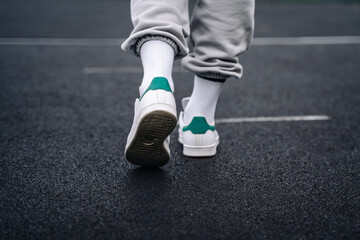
(157, 59)
(203, 100)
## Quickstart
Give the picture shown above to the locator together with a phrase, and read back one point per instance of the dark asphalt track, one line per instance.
(62, 134)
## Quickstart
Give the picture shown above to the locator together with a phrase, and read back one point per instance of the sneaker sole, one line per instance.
(199, 151)
(147, 146)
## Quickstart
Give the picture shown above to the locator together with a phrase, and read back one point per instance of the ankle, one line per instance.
(157, 59)
(190, 113)
(146, 83)
(203, 100)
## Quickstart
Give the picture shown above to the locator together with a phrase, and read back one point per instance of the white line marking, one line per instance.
(325, 40)
(63, 41)
(274, 119)
(328, 40)
(106, 70)
(266, 41)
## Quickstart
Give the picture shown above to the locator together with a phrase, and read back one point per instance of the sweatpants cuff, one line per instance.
(146, 38)
(216, 77)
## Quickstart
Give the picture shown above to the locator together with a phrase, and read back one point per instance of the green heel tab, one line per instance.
(198, 125)
(158, 83)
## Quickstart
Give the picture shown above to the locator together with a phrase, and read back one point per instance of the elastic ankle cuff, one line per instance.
(215, 77)
(146, 38)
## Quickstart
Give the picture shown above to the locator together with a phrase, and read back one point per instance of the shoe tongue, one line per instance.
(184, 102)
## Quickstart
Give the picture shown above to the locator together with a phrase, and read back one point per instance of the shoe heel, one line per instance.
(199, 151)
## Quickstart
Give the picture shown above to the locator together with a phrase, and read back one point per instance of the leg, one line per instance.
(157, 20)
(160, 29)
(221, 30)
(162, 20)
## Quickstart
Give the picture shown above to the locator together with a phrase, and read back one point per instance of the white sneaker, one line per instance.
(154, 120)
(199, 139)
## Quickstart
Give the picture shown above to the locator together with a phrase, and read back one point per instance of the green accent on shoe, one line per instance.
(198, 125)
(158, 83)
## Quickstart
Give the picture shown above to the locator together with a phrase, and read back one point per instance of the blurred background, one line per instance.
(111, 18)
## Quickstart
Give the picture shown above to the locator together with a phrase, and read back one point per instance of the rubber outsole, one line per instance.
(147, 146)
(199, 152)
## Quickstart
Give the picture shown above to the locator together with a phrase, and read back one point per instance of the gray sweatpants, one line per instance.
(218, 33)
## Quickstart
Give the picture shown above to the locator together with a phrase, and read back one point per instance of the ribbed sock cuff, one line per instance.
(213, 77)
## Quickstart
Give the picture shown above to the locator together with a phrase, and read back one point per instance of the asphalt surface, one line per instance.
(63, 132)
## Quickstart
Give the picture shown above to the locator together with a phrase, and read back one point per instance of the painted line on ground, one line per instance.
(260, 41)
(321, 40)
(117, 70)
(63, 41)
(274, 119)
